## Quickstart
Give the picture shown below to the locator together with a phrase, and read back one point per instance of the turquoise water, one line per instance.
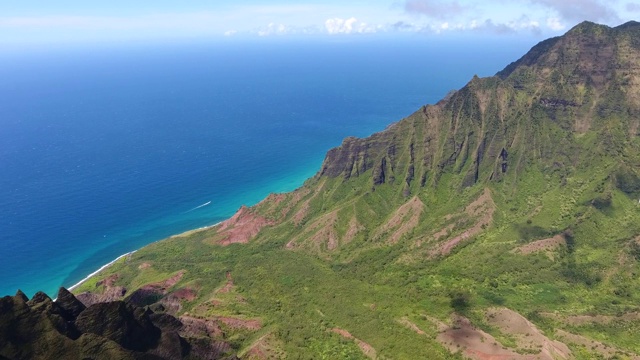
(106, 149)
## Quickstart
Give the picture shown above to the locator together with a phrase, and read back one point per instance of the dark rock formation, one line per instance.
(72, 306)
(65, 329)
(128, 326)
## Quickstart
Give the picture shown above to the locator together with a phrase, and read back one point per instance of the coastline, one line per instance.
(98, 271)
(190, 232)
(183, 234)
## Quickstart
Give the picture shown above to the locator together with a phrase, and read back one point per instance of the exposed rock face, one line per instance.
(580, 81)
(65, 329)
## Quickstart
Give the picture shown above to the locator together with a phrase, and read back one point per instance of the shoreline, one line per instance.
(100, 269)
(183, 234)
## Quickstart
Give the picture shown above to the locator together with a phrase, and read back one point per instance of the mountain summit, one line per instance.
(501, 222)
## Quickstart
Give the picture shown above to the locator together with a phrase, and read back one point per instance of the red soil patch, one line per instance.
(166, 284)
(482, 209)
(186, 294)
(194, 327)
(366, 349)
(257, 351)
(321, 231)
(241, 323)
(343, 333)
(302, 213)
(264, 348)
(477, 344)
(242, 227)
(108, 281)
(527, 335)
(228, 286)
(404, 219)
(353, 229)
(541, 245)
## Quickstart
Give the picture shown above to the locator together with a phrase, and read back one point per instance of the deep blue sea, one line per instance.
(107, 148)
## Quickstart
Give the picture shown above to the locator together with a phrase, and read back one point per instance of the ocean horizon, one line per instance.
(108, 149)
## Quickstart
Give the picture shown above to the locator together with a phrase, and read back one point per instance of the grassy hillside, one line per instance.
(503, 220)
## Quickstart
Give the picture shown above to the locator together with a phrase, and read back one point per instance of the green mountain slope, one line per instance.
(503, 221)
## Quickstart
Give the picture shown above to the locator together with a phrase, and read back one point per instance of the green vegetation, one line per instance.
(518, 191)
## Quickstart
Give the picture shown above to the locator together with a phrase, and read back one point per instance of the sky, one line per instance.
(35, 21)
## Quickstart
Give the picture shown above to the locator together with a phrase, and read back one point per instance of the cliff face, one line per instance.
(586, 80)
(500, 222)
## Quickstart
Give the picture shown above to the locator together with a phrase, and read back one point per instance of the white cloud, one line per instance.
(351, 25)
(555, 24)
(230, 32)
(274, 29)
(340, 26)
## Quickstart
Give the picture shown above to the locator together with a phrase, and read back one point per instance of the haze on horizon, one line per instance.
(76, 21)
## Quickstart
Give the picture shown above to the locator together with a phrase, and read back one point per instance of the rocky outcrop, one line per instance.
(44, 329)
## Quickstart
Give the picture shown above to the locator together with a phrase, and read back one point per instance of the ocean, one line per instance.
(107, 148)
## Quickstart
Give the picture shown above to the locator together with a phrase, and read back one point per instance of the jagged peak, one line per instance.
(20, 295)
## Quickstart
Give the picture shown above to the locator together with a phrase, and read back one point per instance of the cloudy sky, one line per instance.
(121, 20)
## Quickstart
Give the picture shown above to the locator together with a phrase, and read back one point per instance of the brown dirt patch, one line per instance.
(344, 333)
(527, 334)
(237, 323)
(477, 344)
(108, 281)
(141, 296)
(301, 213)
(228, 286)
(185, 294)
(366, 349)
(263, 348)
(593, 346)
(194, 327)
(321, 231)
(240, 228)
(352, 230)
(144, 265)
(270, 205)
(541, 245)
(443, 232)
(403, 220)
(474, 343)
(482, 209)
(172, 280)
